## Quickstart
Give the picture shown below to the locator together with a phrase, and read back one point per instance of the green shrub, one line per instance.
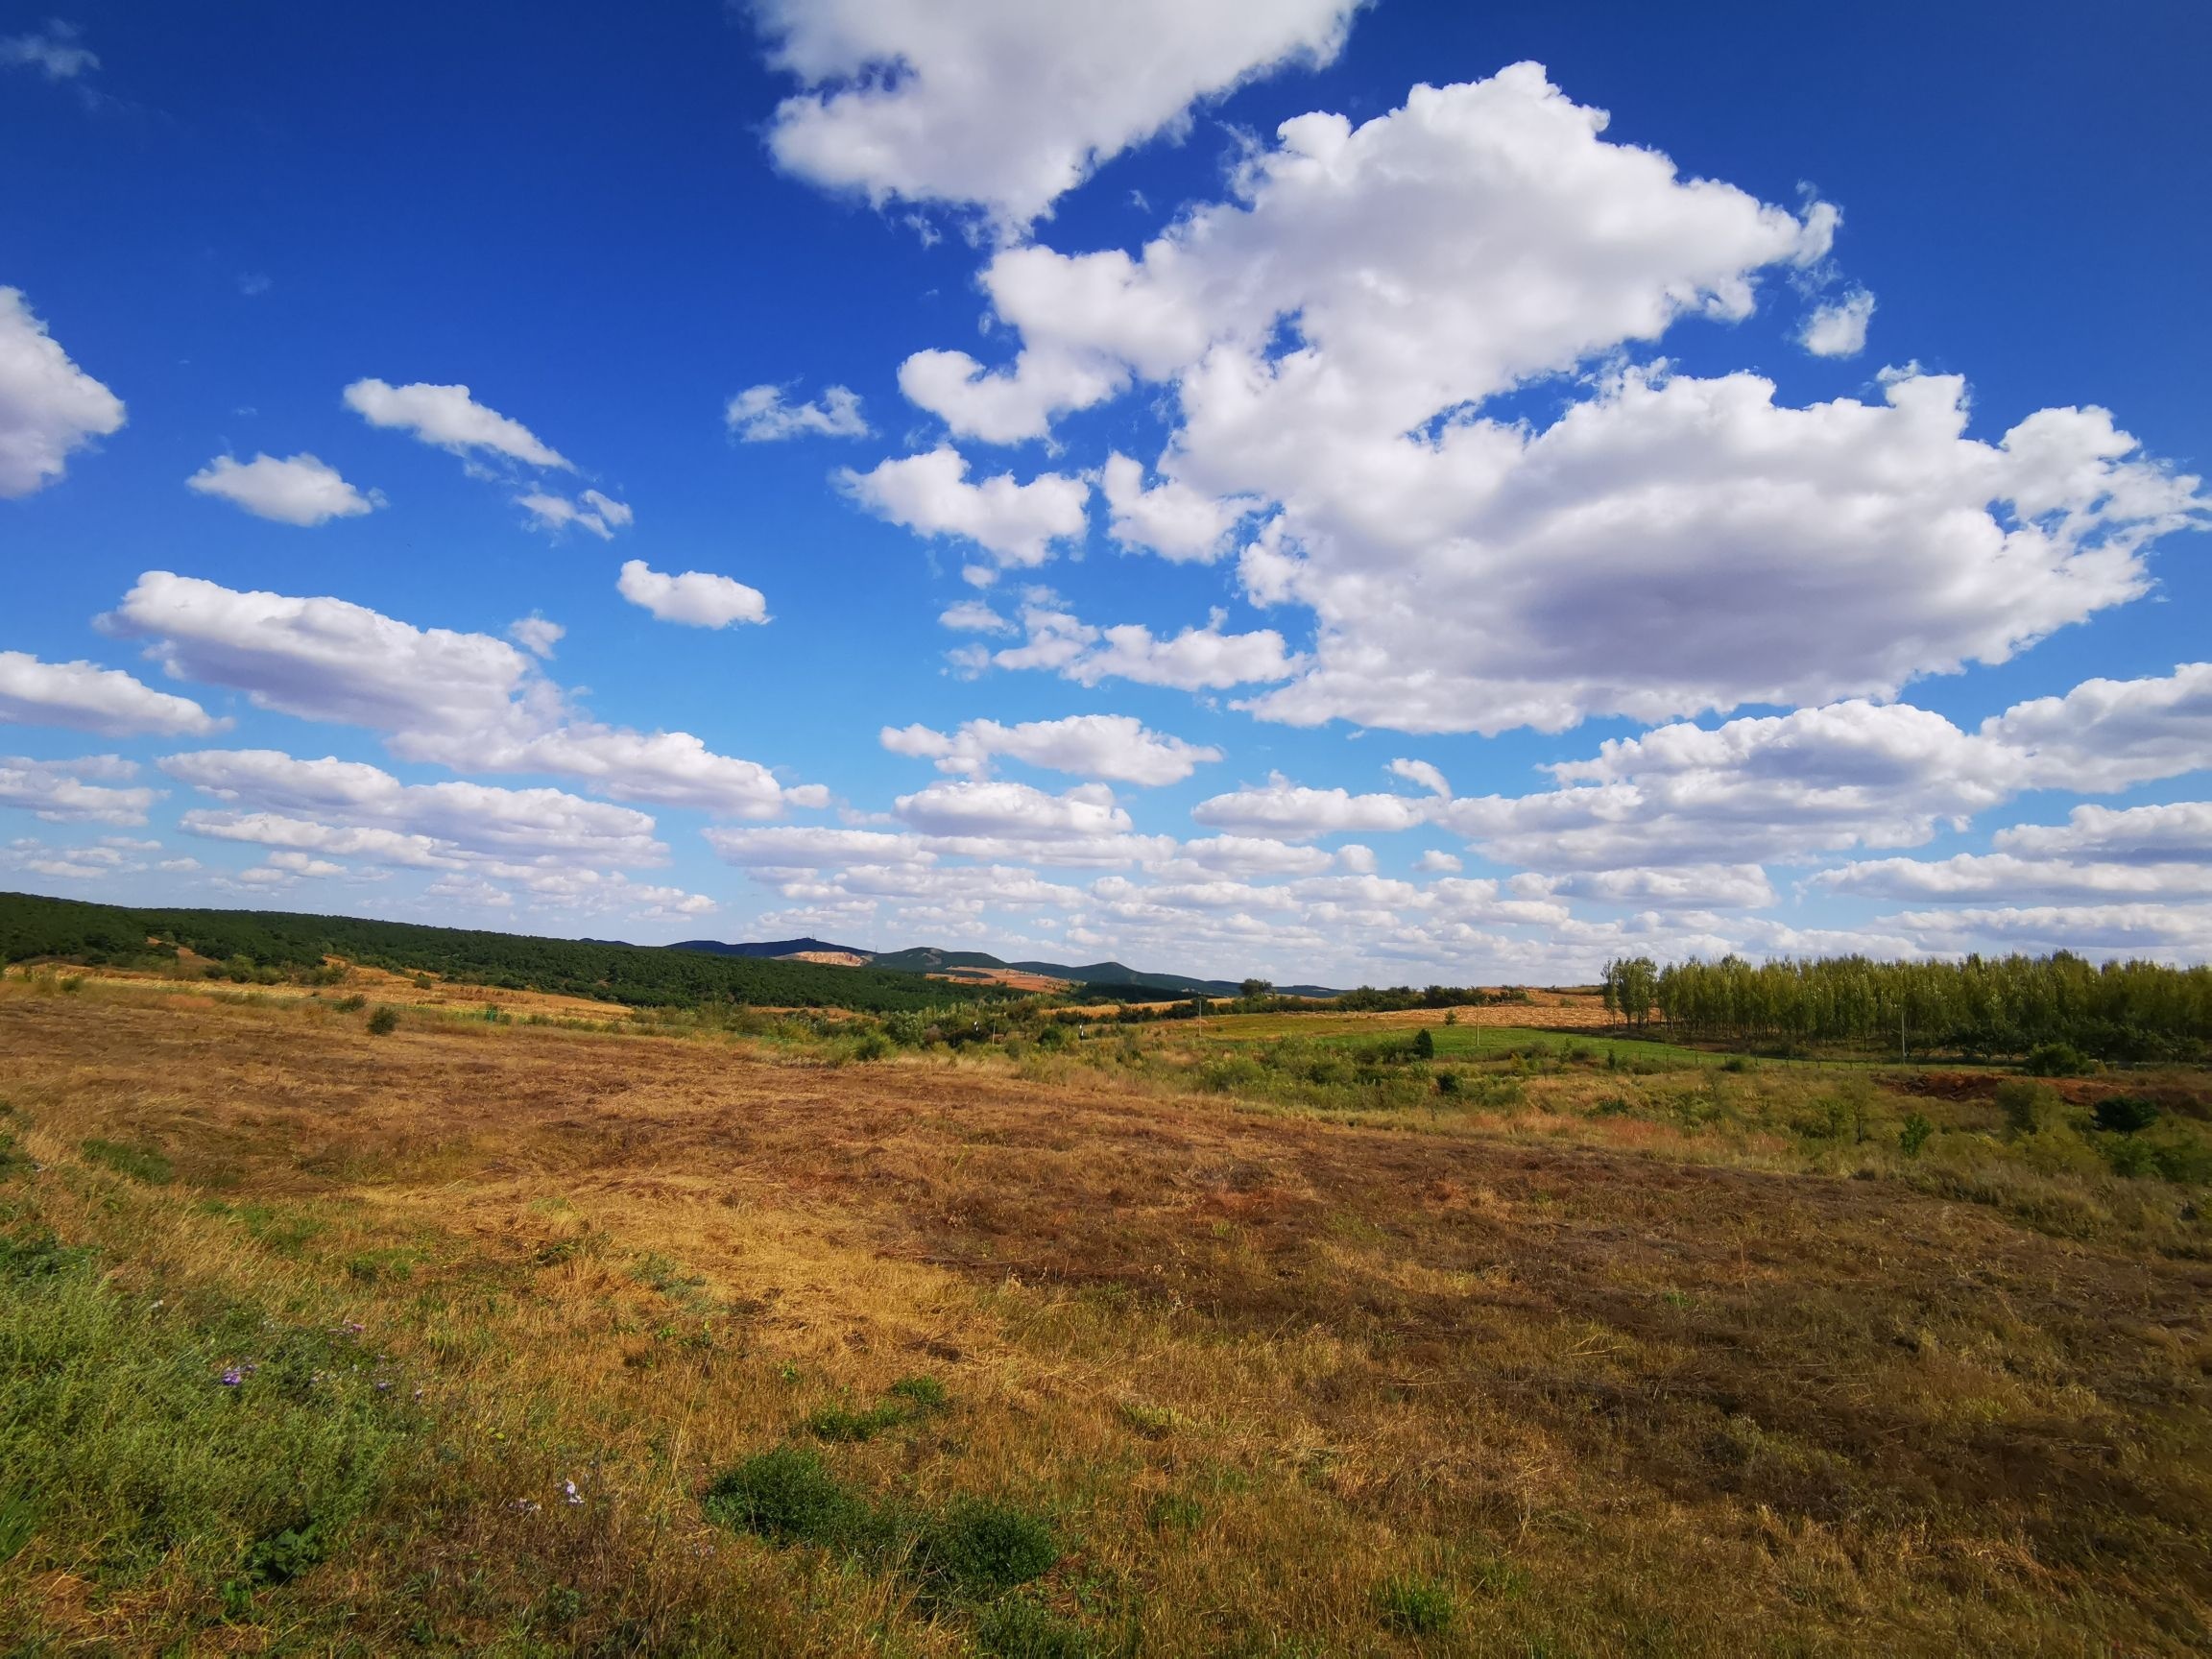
(2028, 1107)
(352, 1004)
(788, 1496)
(980, 1548)
(1424, 1044)
(1416, 1606)
(145, 1163)
(2054, 1060)
(1914, 1134)
(384, 1021)
(2125, 1114)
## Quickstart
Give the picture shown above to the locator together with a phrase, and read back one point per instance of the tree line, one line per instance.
(1976, 1006)
(272, 944)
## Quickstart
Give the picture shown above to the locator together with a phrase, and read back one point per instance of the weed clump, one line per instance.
(836, 1423)
(1416, 1606)
(1019, 1628)
(924, 1392)
(788, 1496)
(982, 1549)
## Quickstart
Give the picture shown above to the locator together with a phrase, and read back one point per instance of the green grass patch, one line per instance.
(203, 1443)
(147, 1163)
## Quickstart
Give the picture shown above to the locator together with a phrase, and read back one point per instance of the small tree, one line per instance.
(1631, 987)
(1256, 988)
(1424, 1043)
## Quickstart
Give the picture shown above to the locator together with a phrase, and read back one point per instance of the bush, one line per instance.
(984, 1549)
(788, 1495)
(384, 1021)
(2054, 1060)
(2125, 1114)
(1914, 1134)
(2028, 1107)
(1416, 1606)
(352, 1004)
(1424, 1044)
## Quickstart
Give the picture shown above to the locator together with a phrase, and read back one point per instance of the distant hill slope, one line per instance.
(934, 959)
(772, 947)
(639, 975)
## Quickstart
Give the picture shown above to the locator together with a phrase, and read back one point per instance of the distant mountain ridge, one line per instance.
(773, 947)
(934, 959)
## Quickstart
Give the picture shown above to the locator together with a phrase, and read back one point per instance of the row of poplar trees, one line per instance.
(1979, 1006)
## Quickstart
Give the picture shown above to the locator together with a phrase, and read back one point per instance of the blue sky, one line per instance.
(1351, 494)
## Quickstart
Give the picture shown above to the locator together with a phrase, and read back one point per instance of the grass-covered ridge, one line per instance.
(284, 944)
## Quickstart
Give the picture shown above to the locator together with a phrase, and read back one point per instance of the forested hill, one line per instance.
(769, 947)
(66, 929)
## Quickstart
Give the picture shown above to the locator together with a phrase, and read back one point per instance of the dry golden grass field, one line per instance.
(1081, 1353)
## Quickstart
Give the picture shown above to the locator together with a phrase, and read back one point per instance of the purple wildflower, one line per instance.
(232, 1376)
(569, 1493)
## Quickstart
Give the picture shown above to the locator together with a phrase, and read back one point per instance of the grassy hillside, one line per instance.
(635, 975)
(472, 1338)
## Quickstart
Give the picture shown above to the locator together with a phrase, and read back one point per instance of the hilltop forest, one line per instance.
(286, 945)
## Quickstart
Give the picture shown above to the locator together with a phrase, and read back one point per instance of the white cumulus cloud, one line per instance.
(696, 598)
(451, 419)
(930, 494)
(1839, 328)
(49, 407)
(299, 490)
(1005, 105)
(90, 698)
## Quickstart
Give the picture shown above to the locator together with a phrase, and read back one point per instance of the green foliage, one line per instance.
(2054, 1060)
(1914, 1134)
(2125, 1114)
(269, 946)
(2034, 1005)
(788, 1496)
(1019, 1628)
(147, 1163)
(924, 1392)
(384, 1021)
(1416, 1606)
(1175, 1512)
(1424, 1044)
(980, 1548)
(209, 1439)
(2028, 1107)
(1631, 988)
(837, 1423)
